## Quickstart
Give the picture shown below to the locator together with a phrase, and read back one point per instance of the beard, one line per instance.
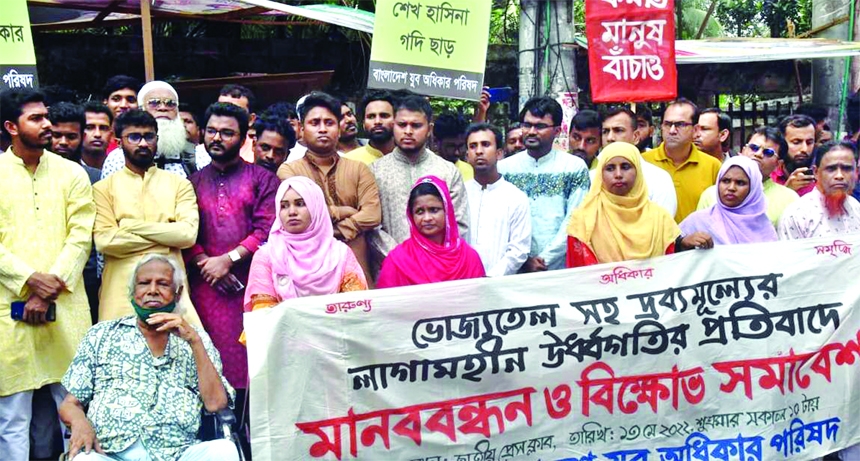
(348, 135)
(791, 164)
(380, 137)
(35, 142)
(226, 155)
(142, 159)
(834, 203)
(171, 138)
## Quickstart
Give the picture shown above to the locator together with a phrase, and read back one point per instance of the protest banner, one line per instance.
(436, 48)
(631, 50)
(740, 353)
(17, 56)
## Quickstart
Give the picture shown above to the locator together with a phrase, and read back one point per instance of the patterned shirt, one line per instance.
(556, 184)
(395, 175)
(133, 395)
(807, 218)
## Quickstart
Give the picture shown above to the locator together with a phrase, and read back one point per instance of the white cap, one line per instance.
(156, 85)
(299, 105)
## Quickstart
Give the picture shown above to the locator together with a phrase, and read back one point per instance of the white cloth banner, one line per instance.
(740, 353)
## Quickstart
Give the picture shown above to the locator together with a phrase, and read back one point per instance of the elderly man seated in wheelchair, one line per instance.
(144, 378)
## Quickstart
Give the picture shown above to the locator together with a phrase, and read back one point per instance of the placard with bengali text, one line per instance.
(17, 56)
(740, 353)
(631, 50)
(435, 48)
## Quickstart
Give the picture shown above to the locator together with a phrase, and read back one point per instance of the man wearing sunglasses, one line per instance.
(692, 170)
(175, 153)
(767, 147)
(140, 209)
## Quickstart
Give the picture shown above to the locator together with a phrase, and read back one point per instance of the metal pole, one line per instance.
(528, 15)
(148, 60)
(561, 65)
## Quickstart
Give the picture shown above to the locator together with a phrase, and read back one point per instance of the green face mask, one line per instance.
(143, 313)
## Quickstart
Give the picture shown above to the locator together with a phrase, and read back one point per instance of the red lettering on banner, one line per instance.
(410, 427)
(785, 372)
(558, 401)
(631, 50)
(648, 389)
(434, 424)
(475, 413)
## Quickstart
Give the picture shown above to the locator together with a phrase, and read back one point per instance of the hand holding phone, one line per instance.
(501, 94)
(800, 178)
(229, 284)
(35, 311)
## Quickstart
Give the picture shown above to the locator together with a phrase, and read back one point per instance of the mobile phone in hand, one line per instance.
(500, 94)
(18, 310)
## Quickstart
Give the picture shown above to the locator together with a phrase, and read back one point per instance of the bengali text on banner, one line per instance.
(17, 55)
(740, 353)
(631, 50)
(435, 48)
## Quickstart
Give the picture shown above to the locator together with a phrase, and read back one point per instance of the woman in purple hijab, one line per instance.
(739, 214)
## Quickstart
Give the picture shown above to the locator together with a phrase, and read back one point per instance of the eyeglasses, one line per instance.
(678, 125)
(135, 138)
(225, 133)
(156, 103)
(538, 126)
(768, 152)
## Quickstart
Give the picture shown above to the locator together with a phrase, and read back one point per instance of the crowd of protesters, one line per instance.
(134, 232)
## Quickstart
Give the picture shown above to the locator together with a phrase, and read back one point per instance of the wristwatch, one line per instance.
(234, 256)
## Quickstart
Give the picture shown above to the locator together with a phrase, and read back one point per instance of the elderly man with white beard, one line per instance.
(175, 153)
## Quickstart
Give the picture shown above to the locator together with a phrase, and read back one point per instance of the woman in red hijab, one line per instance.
(434, 252)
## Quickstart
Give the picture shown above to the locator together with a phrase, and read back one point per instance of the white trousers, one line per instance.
(16, 412)
(213, 450)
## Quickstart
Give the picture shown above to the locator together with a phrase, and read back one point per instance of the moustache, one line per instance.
(143, 151)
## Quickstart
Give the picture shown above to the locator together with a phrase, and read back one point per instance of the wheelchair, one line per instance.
(213, 426)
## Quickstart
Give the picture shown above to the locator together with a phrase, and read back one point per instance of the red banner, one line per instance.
(631, 50)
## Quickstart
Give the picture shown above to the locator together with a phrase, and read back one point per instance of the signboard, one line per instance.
(436, 48)
(740, 353)
(17, 57)
(631, 50)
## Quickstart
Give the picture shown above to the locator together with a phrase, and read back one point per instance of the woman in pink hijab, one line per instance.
(301, 257)
(434, 252)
